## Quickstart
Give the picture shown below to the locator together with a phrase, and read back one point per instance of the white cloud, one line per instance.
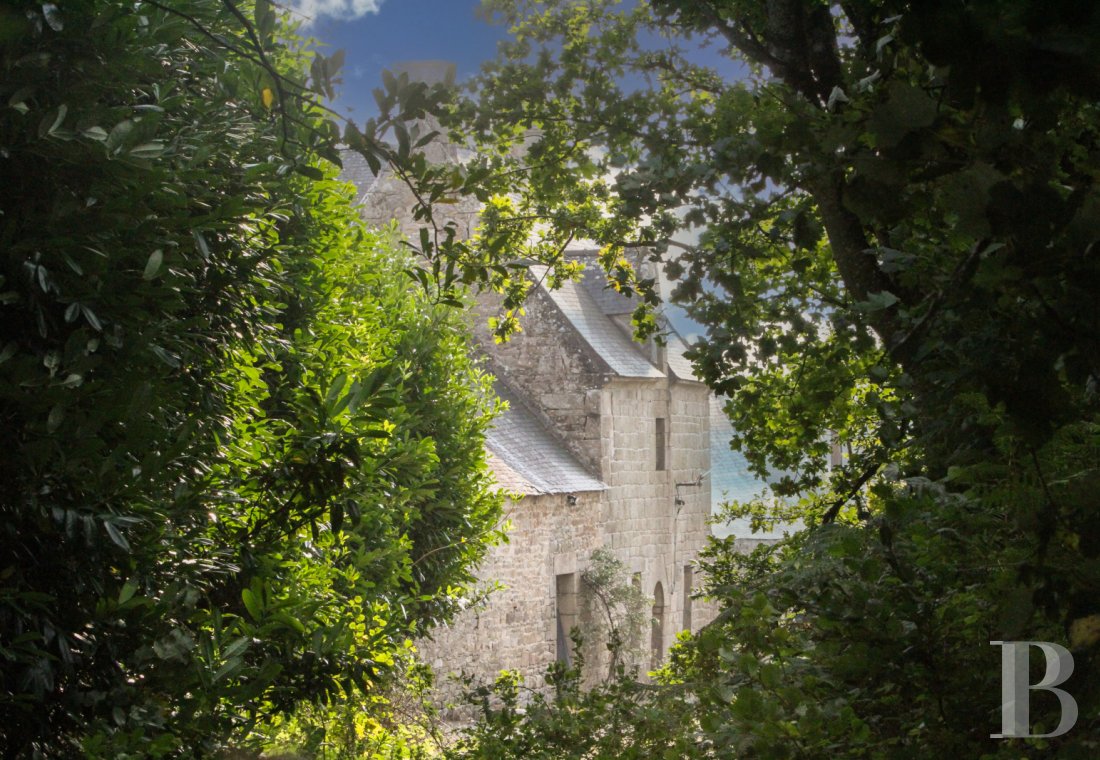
(310, 11)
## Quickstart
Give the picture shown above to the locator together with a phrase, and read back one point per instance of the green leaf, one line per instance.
(345, 400)
(237, 647)
(335, 62)
(52, 121)
(174, 646)
(165, 356)
(201, 244)
(56, 416)
(252, 604)
(19, 98)
(334, 389)
(309, 171)
(265, 20)
(880, 301)
(231, 666)
(119, 133)
(148, 150)
(99, 134)
(402, 135)
(126, 593)
(53, 17)
(116, 535)
(152, 266)
(91, 317)
(290, 621)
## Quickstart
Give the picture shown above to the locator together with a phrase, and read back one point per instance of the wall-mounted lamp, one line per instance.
(679, 500)
(571, 500)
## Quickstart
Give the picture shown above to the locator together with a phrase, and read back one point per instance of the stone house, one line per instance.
(606, 443)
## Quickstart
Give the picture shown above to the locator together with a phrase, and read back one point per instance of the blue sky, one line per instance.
(376, 34)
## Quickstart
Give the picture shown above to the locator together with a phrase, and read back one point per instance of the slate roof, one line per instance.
(507, 479)
(356, 171)
(622, 354)
(615, 304)
(675, 347)
(531, 457)
(610, 301)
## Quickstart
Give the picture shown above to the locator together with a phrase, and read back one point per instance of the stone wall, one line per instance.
(691, 463)
(550, 365)
(643, 524)
(390, 199)
(637, 518)
(516, 629)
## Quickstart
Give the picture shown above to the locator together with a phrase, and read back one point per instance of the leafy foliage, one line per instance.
(897, 209)
(614, 718)
(615, 612)
(244, 459)
(397, 722)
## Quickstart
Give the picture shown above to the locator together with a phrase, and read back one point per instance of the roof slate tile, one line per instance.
(619, 351)
(531, 454)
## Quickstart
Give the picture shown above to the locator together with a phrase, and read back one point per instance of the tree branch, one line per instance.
(834, 509)
(851, 250)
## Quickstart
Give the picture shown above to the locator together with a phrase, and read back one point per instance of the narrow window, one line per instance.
(566, 604)
(687, 597)
(660, 443)
(657, 630)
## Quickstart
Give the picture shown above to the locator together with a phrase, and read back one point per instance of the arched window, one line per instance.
(657, 633)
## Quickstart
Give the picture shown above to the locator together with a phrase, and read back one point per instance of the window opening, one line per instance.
(657, 632)
(688, 573)
(660, 443)
(565, 602)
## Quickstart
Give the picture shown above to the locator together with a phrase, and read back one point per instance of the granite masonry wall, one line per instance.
(550, 366)
(654, 526)
(517, 628)
(644, 524)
